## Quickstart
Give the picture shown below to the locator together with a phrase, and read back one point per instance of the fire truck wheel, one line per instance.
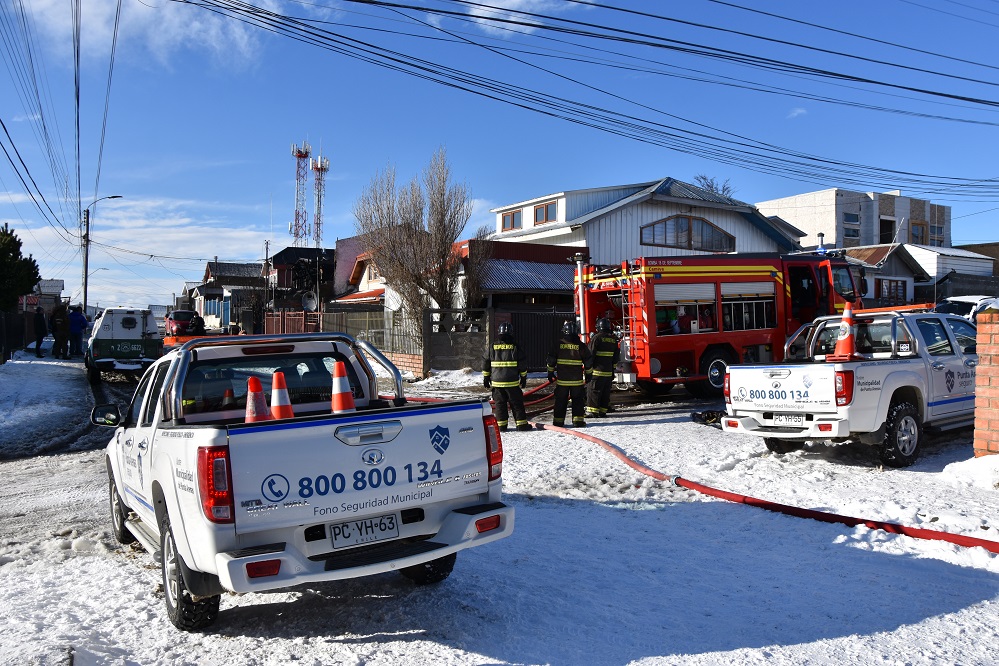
(653, 389)
(714, 364)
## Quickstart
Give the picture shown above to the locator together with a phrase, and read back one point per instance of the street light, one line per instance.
(86, 245)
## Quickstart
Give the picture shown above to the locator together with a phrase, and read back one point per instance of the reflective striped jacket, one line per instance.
(570, 360)
(504, 363)
(605, 354)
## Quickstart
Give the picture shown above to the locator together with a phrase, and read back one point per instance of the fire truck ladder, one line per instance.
(633, 311)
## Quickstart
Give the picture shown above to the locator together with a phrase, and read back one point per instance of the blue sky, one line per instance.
(203, 110)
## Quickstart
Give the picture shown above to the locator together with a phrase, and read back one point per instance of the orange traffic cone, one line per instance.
(256, 403)
(280, 402)
(846, 343)
(343, 399)
(228, 399)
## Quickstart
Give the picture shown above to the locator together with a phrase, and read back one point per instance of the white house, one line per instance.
(659, 218)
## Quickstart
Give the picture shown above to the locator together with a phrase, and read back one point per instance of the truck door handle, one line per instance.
(369, 433)
(142, 445)
(970, 362)
(937, 365)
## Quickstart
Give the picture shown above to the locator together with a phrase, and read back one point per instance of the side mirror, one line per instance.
(106, 415)
(863, 286)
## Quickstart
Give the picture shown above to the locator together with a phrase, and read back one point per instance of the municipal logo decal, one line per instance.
(440, 438)
(949, 375)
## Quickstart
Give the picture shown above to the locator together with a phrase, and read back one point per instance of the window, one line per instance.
(373, 273)
(546, 212)
(889, 292)
(851, 218)
(851, 237)
(937, 342)
(920, 233)
(688, 233)
(155, 392)
(512, 220)
(937, 235)
(851, 233)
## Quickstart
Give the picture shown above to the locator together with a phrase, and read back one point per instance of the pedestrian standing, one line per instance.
(41, 330)
(59, 323)
(604, 349)
(77, 325)
(504, 369)
(569, 368)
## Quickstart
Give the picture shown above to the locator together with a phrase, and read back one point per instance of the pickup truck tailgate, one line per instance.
(808, 388)
(356, 465)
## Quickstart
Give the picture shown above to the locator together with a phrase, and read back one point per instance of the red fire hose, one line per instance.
(893, 528)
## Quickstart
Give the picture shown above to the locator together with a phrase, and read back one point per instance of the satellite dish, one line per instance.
(309, 302)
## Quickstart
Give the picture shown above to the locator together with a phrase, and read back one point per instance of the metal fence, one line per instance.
(12, 334)
(385, 329)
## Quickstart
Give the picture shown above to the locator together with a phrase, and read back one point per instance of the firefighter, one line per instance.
(569, 367)
(504, 369)
(603, 349)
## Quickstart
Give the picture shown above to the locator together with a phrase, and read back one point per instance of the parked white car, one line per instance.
(967, 306)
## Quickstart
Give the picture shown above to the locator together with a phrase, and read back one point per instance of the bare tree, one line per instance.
(479, 254)
(711, 184)
(411, 233)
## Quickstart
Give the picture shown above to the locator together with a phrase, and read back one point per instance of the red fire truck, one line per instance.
(686, 319)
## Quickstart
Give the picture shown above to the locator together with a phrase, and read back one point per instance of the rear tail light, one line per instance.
(487, 524)
(494, 447)
(727, 390)
(732, 423)
(215, 484)
(844, 387)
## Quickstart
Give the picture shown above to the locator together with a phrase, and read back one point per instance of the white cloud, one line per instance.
(795, 112)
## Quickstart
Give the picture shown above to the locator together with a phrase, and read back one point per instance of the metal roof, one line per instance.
(516, 275)
(676, 189)
(219, 269)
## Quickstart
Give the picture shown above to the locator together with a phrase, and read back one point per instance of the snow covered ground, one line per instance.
(606, 566)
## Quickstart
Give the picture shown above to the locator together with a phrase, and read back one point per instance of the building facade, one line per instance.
(654, 219)
(853, 219)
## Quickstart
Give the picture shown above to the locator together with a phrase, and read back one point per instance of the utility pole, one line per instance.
(85, 240)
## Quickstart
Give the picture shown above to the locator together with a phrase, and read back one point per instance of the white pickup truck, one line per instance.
(911, 370)
(228, 505)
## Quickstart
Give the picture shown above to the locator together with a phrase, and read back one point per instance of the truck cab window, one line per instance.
(149, 412)
(135, 409)
(935, 336)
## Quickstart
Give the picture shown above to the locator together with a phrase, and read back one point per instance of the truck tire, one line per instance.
(782, 446)
(431, 572)
(184, 612)
(118, 514)
(903, 432)
(714, 364)
(653, 389)
(93, 374)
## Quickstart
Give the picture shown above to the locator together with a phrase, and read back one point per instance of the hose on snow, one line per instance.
(892, 528)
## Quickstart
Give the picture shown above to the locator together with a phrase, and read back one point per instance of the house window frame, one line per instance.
(516, 218)
(913, 226)
(688, 234)
(937, 238)
(545, 208)
(849, 221)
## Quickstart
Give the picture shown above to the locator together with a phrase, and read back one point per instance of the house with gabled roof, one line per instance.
(227, 290)
(665, 217)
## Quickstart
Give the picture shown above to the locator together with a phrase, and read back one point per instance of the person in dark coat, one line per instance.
(569, 368)
(59, 323)
(41, 330)
(603, 347)
(504, 369)
(77, 325)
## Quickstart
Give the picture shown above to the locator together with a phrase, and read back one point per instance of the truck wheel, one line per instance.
(653, 389)
(185, 613)
(431, 572)
(714, 364)
(118, 514)
(782, 446)
(903, 431)
(93, 375)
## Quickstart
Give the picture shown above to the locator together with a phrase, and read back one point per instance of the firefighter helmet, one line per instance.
(504, 328)
(569, 328)
(603, 325)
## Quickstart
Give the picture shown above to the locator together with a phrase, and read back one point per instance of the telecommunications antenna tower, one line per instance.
(319, 166)
(299, 228)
